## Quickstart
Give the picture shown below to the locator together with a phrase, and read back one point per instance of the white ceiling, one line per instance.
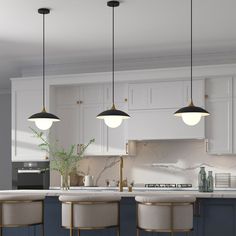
(79, 32)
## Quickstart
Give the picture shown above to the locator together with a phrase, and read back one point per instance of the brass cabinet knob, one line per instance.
(206, 96)
(126, 99)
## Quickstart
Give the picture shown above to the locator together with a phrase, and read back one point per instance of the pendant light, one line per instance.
(191, 115)
(43, 120)
(113, 117)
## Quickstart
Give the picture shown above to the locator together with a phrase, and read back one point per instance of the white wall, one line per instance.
(161, 162)
(5, 141)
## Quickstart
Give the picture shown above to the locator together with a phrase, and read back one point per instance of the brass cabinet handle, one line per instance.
(206, 96)
(79, 102)
(126, 148)
(207, 145)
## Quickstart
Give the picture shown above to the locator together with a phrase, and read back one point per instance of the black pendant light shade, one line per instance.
(191, 115)
(191, 108)
(43, 120)
(113, 117)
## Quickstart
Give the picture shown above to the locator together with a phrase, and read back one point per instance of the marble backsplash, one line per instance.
(172, 161)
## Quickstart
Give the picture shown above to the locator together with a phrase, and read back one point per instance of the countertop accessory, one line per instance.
(43, 120)
(210, 182)
(202, 180)
(191, 115)
(113, 117)
(88, 181)
(222, 180)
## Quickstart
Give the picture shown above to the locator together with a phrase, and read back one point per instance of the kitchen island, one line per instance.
(214, 213)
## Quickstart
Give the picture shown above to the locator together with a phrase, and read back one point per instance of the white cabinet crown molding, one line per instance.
(138, 75)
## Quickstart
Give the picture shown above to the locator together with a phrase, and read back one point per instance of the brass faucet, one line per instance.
(121, 174)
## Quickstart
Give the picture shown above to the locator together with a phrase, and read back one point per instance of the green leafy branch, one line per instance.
(63, 161)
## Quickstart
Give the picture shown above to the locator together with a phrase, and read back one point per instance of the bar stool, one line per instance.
(165, 213)
(21, 211)
(88, 212)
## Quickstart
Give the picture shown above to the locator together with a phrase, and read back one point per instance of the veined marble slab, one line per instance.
(216, 194)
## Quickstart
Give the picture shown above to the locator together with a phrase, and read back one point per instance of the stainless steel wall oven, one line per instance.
(30, 175)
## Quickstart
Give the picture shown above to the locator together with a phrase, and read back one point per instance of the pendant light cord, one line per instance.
(43, 62)
(191, 51)
(113, 57)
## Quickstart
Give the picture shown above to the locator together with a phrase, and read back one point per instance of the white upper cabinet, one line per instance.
(152, 105)
(91, 104)
(121, 93)
(219, 125)
(65, 130)
(156, 95)
(198, 93)
(166, 95)
(78, 107)
(138, 96)
(26, 101)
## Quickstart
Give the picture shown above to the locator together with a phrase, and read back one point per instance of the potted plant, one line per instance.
(61, 160)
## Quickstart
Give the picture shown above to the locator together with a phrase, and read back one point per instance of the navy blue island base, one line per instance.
(214, 217)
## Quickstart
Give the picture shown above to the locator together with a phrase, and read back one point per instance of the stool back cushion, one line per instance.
(21, 213)
(94, 215)
(153, 217)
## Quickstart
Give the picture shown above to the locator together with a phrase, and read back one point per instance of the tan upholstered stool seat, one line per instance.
(90, 212)
(21, 210)
(165, 213)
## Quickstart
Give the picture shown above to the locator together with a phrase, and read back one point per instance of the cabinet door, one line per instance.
(91, 94)
(67, 129)
(67, 95)
(217, 217)
(91, 127)
(198, 92)
(219, 124)
(138, 96)
(166, 95)
(25, 102)
(121, 93)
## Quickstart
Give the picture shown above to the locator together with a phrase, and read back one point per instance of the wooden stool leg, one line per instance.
(137, 230)
(78, 232)
(1, 231)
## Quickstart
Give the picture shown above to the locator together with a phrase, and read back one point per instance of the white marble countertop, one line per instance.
(125, 193)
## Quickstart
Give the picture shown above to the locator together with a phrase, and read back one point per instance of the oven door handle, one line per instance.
(29, 171)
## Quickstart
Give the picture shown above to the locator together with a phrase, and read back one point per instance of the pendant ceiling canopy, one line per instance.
(113, 117)
(43, 120)
(191, 114)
